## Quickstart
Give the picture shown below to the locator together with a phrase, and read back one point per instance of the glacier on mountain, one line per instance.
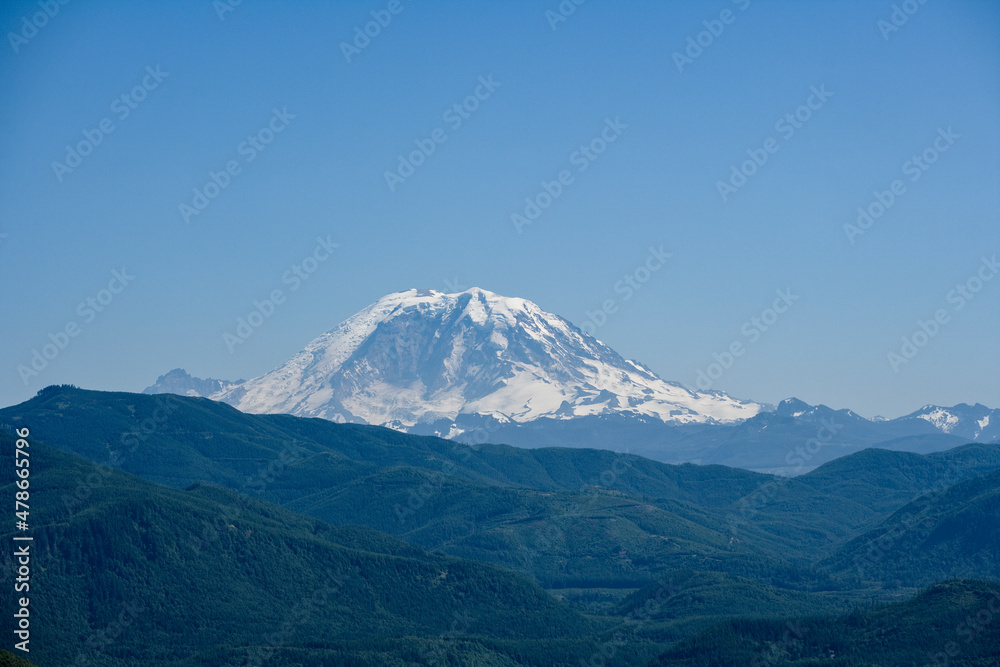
(421, 355)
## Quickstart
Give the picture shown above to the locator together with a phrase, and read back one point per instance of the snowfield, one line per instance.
(422, 356)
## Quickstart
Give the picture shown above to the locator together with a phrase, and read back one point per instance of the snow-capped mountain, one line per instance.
(422, 356)
(972, 422)
(478, 366)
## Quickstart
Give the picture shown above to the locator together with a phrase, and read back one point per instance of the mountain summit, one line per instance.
(426, 357)
(972, 422)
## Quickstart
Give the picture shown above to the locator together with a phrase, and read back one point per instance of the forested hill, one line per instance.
(209, 518)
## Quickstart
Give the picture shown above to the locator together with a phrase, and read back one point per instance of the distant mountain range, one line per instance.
(476, 366)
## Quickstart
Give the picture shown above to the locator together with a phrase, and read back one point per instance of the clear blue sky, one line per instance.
(656, 184)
